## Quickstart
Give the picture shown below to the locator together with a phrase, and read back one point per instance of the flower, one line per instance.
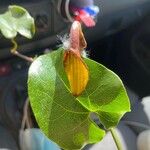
(74, 65)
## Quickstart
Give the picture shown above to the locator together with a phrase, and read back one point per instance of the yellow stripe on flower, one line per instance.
(77, 72)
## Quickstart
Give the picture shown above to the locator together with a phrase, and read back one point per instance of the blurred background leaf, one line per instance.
(16, 20)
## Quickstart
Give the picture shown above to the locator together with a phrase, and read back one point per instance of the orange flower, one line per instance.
(75, 68)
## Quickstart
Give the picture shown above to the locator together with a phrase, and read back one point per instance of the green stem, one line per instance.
(116, 139)
(15, 52)
(15, 45)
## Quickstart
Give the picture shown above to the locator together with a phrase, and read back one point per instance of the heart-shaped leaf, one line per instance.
(16, 19)
(63, 117)
(59, 114)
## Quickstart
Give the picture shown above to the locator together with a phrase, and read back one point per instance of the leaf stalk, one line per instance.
(116, 139)
(15, 52)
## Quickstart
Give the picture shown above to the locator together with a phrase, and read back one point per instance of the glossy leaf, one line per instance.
(65, 118)
(59, 114)
(16, 20)
(105, 94)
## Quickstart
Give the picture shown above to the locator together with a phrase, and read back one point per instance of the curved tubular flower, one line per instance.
(75, 68)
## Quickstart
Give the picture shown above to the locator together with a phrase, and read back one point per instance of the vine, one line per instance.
(64, 87)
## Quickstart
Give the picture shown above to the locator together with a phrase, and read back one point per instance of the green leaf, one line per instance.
(65, 118)
(59, 114)
(17, 19)
(105, 95)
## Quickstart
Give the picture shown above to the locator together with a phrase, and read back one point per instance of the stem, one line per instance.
(15, 52)
(116, 139)
(15, 45)
(29, 59)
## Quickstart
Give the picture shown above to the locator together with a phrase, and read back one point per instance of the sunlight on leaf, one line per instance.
(105, 95)
(63, 117)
